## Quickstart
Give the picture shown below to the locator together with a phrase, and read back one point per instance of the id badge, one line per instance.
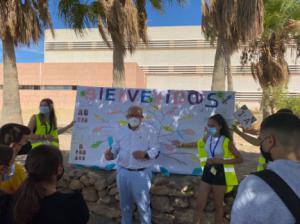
(213, 171)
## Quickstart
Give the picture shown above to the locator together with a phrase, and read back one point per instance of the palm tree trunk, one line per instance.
(118, 67)
(228, 69)
(218, 79)
(11, 106)
(265, 102)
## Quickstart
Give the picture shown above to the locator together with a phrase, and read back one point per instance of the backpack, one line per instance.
(284, 192)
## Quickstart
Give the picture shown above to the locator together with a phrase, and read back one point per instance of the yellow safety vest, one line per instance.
(44, 129)
(230, 175)
(261, 163)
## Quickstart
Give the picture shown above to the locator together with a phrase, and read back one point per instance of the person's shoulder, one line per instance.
(74, 197)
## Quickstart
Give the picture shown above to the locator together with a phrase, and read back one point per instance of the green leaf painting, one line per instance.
(123, 123)
(82, 93)
(96, 144)
(168, 128)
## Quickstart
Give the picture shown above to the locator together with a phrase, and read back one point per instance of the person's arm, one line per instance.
(64, 129)
(248, 138)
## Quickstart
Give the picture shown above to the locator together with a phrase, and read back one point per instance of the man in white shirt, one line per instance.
(256, 201)
(135, 147)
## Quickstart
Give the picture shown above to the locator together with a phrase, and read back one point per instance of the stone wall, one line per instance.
(172, 198)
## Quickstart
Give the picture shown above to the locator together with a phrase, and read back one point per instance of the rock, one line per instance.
(92, 174)
(181, 202)
(160, 181)
(161, 203)
(113, 191)
(79, 173)
(111, 178)
(117, 197)
(75, 185)
(184, 216)
(85, 180)
(90, 194)
(162, 218)
(92, 180)
(164, 190)
(104, 210)
(172, 184)
(100, 184)
(105, 200)
(101, 194)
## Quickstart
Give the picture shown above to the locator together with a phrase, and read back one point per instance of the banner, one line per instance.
(175, 115)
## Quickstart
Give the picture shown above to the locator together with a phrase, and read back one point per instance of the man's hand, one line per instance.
(140, 155)
(50, 138)
(109, 155)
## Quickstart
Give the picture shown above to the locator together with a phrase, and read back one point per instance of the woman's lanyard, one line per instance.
(212, 151)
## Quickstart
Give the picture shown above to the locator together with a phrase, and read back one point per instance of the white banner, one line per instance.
(176, 115)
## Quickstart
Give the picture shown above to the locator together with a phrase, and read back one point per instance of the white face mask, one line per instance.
(134, 122)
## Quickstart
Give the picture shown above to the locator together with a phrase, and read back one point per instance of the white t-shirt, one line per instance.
(256, 202)
(214, 146)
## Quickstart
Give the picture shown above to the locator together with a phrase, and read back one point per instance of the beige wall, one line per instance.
(66, 74)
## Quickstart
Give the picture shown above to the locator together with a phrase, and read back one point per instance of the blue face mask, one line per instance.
(212, 131)
(44, 110)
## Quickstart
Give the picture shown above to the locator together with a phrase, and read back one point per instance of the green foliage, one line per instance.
(278, 13)
(289, 102)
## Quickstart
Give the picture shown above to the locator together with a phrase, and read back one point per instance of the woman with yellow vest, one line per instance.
(44, 125)
(217, 155)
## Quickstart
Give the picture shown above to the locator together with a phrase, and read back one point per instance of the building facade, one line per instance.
(176, 58)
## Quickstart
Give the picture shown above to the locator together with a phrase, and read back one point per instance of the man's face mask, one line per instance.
(134, 122)
(266, 154)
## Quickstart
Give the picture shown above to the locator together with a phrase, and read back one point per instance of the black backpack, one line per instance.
(284, 192)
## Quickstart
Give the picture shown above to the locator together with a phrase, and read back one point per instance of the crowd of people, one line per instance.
(268, 196)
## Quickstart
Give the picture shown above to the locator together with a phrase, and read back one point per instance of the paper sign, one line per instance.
(245, 117)
(175, 115)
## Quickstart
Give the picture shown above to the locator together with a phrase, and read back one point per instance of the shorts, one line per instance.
(218, 179)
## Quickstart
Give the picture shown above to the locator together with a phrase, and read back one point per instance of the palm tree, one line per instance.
(20, 23)
(267, 54)
(124, 21)
(230, 23)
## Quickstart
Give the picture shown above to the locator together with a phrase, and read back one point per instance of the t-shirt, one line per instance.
(63, 208)
(5, 208)
(214, 147)
(256, 202)
(12, 184)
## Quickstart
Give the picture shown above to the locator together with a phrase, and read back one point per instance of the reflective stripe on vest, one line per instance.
(261, 163)
(41, 130)
(230, 175)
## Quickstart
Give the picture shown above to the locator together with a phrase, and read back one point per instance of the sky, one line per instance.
(173, 15)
